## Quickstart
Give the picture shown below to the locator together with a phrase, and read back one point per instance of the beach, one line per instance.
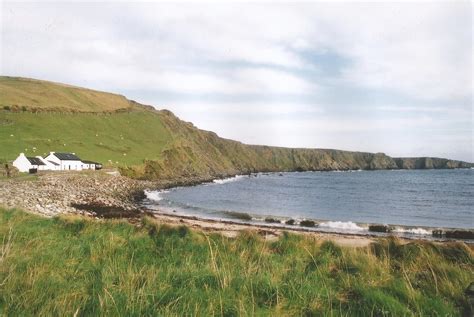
(107, 195)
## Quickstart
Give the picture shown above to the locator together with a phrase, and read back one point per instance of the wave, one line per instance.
(349, 225)
(228, 180)
(418, 231)
(347, 171)
(155, 195)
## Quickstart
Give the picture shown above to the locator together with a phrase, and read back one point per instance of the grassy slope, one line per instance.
(126, 138)
(39, 94)
(70, 265)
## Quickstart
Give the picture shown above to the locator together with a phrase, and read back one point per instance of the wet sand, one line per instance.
(231, 229)
(271, 231)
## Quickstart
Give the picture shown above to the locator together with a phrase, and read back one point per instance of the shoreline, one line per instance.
(231, 229)
(402, 231)
(222, 225)
(107, 195)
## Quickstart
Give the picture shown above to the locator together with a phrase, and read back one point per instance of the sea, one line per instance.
(414, 202)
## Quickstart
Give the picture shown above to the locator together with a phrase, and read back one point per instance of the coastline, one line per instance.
(439, 233)
(107, 195)
(230, 228)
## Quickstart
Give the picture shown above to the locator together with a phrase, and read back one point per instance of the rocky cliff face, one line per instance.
(201, 155)
(429, 163)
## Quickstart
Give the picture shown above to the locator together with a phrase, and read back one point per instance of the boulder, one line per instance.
(272, 220)
(307, 223)
(380, 228)
(460, 234)
(290, 222)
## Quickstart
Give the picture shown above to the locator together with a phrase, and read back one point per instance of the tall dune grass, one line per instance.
(72, 266)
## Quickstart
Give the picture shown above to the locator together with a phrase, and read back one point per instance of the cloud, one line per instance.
(309, 74)
(418, 49)
(259, 110)
(413, 49)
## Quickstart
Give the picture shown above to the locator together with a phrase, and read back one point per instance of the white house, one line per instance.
(48, 165)
(53, 162)
(66, 161)
(28, 163)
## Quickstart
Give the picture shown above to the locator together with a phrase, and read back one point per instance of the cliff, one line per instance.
(37, 117)
(200, 155)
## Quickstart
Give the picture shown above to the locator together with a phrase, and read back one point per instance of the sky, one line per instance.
(392, 77)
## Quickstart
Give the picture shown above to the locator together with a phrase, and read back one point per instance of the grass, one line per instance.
(112, 139)
(28, 94)
(75, 266)
(20, 177)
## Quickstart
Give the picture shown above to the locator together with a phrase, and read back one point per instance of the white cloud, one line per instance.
(420, 52)
(244, 109)
(419, 49)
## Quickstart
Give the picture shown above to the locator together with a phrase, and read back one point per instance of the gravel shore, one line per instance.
(54, 193)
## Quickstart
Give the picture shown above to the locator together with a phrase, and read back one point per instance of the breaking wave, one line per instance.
(228, 180)
(155, 195)
(341, 225)
(419, 231)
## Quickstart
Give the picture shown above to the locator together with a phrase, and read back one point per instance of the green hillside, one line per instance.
(120, 138)
(31, 94)
(150, 144)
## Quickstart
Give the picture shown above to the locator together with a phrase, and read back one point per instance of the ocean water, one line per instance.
(337, 200)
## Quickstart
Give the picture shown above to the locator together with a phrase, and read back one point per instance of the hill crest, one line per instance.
(147, 143)
(26, 94)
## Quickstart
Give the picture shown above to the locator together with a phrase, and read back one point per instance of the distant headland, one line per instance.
(145, 143)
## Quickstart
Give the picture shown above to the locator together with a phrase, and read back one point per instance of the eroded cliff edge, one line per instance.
(195, 155)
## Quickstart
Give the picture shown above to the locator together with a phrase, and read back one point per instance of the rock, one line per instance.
(272, 220)
(290, 222)
(307, 223)
(460, 234)
(380, 228)
(53, 193)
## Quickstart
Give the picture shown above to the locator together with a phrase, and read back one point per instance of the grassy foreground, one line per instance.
(70, 265)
